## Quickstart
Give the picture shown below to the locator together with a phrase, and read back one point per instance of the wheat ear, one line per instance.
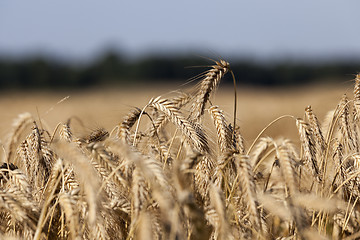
(193, 133)
(287, 170)
(161, 119)
(65, 132)
(207, 86)
(217, 202)
(357, 97)
(346, 124)
(248, 189)
(224, 133)
(19, 124)
(315, 126)
(68, 206)
(308, 145)
(127, 123)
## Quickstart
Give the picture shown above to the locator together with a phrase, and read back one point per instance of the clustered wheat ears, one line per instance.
(167, 179)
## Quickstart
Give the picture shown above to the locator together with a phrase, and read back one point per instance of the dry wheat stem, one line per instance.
(264, 129)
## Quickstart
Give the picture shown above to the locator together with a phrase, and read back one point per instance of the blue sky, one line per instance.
(81, 29)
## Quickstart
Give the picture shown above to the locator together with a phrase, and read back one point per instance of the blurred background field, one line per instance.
(107, 107)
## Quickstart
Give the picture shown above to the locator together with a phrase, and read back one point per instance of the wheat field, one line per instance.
(182, 164)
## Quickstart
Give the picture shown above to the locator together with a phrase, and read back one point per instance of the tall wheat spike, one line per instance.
(357, 97)
(207, 86)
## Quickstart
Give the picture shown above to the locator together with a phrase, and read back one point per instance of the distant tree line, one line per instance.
(40, 72)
